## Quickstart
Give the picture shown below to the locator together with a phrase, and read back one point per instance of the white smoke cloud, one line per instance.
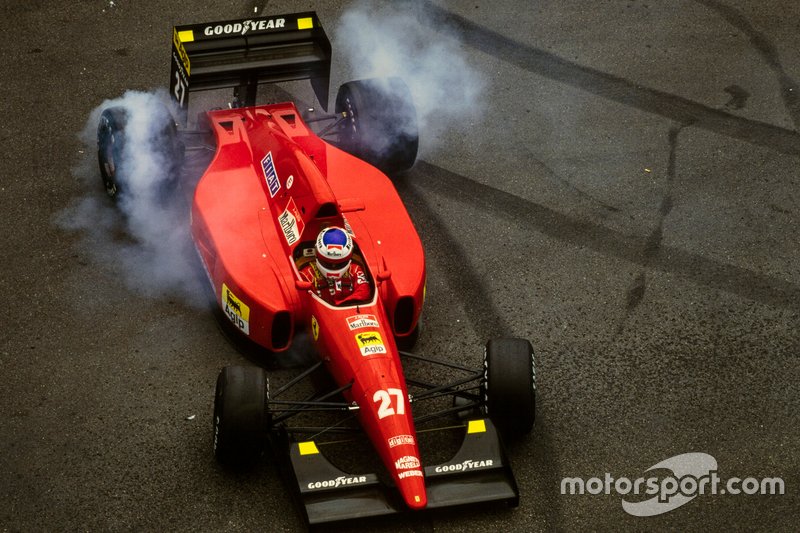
(144, 236)
(391, 40)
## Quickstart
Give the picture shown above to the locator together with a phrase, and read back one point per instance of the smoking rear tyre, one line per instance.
(241, 417)
(115, 143)
(110, 145)
(509, 389)
(381, 123)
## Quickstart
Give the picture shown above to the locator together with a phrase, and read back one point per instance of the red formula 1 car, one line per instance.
(267, 187)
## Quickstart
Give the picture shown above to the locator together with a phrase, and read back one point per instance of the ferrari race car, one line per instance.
(262, 184)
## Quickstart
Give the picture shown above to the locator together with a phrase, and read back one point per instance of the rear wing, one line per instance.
(244, 53)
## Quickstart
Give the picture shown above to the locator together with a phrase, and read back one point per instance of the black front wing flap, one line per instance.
(478, 472)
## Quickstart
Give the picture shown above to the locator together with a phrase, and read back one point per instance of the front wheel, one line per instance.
(509, 389)
(241, 416)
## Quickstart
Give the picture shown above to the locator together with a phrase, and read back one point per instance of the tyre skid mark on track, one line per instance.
(624, 91)
(652, 246)
(464, 281)
(579, 233)
(790, 91)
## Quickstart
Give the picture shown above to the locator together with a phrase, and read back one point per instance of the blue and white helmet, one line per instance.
(333, 251)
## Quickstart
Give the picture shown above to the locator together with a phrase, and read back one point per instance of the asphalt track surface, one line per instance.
(628, 199)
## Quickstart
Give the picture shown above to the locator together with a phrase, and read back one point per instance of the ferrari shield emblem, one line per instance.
(314, 328)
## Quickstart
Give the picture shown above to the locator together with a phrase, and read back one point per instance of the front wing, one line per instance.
(478, 472)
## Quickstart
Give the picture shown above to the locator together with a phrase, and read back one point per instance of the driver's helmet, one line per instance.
(333, 251)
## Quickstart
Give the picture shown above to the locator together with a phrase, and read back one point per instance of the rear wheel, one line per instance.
(115, 144)
(241, 416)
(110, 145)
(509, 389)
(381, 124)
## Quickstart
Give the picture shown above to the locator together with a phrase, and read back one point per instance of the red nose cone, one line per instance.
(409, 478)
(413, 492)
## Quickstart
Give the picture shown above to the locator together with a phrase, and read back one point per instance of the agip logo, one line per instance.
(236, 310)
(370, 343)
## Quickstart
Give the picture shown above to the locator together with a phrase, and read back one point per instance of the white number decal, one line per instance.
(385, 397)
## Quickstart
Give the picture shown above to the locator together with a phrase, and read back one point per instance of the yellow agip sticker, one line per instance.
(370, 343)
(236, 310)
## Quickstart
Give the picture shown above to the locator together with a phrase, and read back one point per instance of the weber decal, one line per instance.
(268, 166)
(464, 466)
(236, 310)
(291, 222)
(370, 343)
(406, 462)
(400, 440)
(362, 321)
(338, 482)
(409, 473)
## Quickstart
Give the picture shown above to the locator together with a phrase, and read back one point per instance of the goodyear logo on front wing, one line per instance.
(370, 343)
(236, 310)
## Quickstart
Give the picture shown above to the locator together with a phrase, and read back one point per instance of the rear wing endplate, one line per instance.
(244, 53)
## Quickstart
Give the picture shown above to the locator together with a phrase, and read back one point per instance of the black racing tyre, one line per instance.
(509, 389)
(241, 415)
(112, 142)
(110, 146)
(381, 123)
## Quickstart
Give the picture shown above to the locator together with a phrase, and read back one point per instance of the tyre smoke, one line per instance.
(380, 41)
(143, 236)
